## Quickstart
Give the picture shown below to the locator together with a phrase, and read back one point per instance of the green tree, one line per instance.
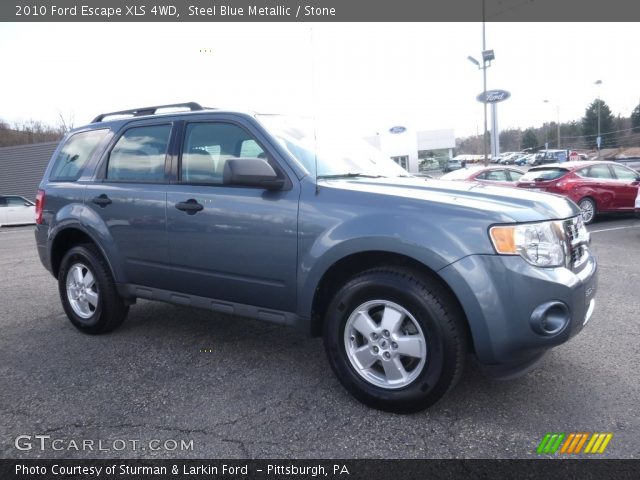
(529, 138)
(635, 119)
(607, 125)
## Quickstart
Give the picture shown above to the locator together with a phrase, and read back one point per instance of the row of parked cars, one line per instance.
(596, 186)
(521, 159)
(539, 158)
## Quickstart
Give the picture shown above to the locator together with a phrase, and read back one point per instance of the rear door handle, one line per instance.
(102, 200)
(191, 206)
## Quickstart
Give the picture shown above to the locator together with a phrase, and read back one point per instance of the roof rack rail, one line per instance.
(138, 112)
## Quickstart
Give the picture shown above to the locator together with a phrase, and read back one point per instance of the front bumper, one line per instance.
(499, 295)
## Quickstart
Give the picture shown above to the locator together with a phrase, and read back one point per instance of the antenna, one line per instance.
(313, 96)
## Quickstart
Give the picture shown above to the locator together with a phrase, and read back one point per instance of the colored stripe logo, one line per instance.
(573, 443)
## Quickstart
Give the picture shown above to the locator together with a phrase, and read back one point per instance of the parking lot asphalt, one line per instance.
(238, 388)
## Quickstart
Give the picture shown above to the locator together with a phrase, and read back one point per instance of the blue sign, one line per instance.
(397, 129)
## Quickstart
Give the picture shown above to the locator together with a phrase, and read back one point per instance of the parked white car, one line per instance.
(15, 210)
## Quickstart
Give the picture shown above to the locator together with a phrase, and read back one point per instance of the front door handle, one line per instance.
(191, 206)
(101, 200)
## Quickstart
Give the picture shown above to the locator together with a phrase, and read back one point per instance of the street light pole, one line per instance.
(598, 139)
(558, 123)
(484, 87)
(546, 130)
(487, 56)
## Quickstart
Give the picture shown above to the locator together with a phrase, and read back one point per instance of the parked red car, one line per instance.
(596, 186)
(493, 175)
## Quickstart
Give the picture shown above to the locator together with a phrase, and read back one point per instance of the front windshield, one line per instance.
(336, 153)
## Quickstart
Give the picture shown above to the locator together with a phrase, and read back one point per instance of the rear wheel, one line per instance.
(88, 292)
(588, 209)
(395, 339)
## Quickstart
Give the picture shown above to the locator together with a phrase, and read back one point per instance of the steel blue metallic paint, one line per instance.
(255, 249)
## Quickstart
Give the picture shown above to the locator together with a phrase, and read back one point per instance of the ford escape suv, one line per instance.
(269, 217)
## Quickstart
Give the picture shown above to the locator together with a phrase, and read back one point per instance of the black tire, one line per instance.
(588, 209)
(110, 311)
(434, 311)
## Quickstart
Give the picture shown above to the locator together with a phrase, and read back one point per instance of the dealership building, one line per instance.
(408, 147)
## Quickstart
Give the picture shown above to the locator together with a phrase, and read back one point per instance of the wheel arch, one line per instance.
(69, 237)
(348, 266)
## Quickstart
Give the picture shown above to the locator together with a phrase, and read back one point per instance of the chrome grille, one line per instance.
(577, 242)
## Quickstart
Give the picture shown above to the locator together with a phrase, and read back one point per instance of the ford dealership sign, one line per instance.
(493, 96)
(397, 129)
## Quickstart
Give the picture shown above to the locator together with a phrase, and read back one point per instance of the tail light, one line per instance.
(39, 206)
(564, 184)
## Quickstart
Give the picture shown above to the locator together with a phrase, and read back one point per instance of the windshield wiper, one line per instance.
(349, 175)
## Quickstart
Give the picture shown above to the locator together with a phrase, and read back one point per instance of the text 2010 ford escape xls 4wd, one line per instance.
(258, 216)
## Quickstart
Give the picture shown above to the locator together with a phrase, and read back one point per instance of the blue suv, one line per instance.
(276, 218)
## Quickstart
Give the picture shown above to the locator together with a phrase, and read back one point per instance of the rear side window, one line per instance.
(596, 171)
(139, 155)
(623, 173)
(495, 176)
(543, 174)
(74, 155)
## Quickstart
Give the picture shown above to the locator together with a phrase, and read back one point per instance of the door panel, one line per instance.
(232, 243)
(241, 247)
(136, 218)
(131, 200)
(598, 183)
(626, 188)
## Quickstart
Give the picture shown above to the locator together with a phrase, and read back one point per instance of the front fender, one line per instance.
(409, 236)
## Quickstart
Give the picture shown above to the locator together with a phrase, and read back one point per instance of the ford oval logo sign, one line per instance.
(397, 129)
(493, 96)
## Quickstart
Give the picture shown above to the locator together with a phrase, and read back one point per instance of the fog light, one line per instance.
(550, 318)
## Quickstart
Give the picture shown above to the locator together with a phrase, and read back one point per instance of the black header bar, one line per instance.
(317, 11)
(120, 469)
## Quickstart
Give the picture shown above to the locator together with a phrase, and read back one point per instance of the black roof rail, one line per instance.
(138, 112)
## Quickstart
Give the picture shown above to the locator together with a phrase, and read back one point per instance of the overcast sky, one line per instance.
(371, 76)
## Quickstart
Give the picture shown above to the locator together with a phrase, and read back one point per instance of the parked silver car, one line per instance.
(15, 210)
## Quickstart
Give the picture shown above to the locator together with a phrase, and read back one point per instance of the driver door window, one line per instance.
(208, 146)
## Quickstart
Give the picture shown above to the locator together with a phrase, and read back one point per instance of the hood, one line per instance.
(502, 204)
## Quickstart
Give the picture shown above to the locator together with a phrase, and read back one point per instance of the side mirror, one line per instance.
(251, 172)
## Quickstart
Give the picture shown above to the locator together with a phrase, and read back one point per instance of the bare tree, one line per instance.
(66, 124)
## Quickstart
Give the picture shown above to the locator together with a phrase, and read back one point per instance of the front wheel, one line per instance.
(588, 209)
(88, 292)
(395, 339)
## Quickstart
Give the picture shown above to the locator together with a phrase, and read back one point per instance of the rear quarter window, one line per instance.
(543, 174)
(75, 153)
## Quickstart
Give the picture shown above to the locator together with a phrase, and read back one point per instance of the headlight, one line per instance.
(540, 244)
